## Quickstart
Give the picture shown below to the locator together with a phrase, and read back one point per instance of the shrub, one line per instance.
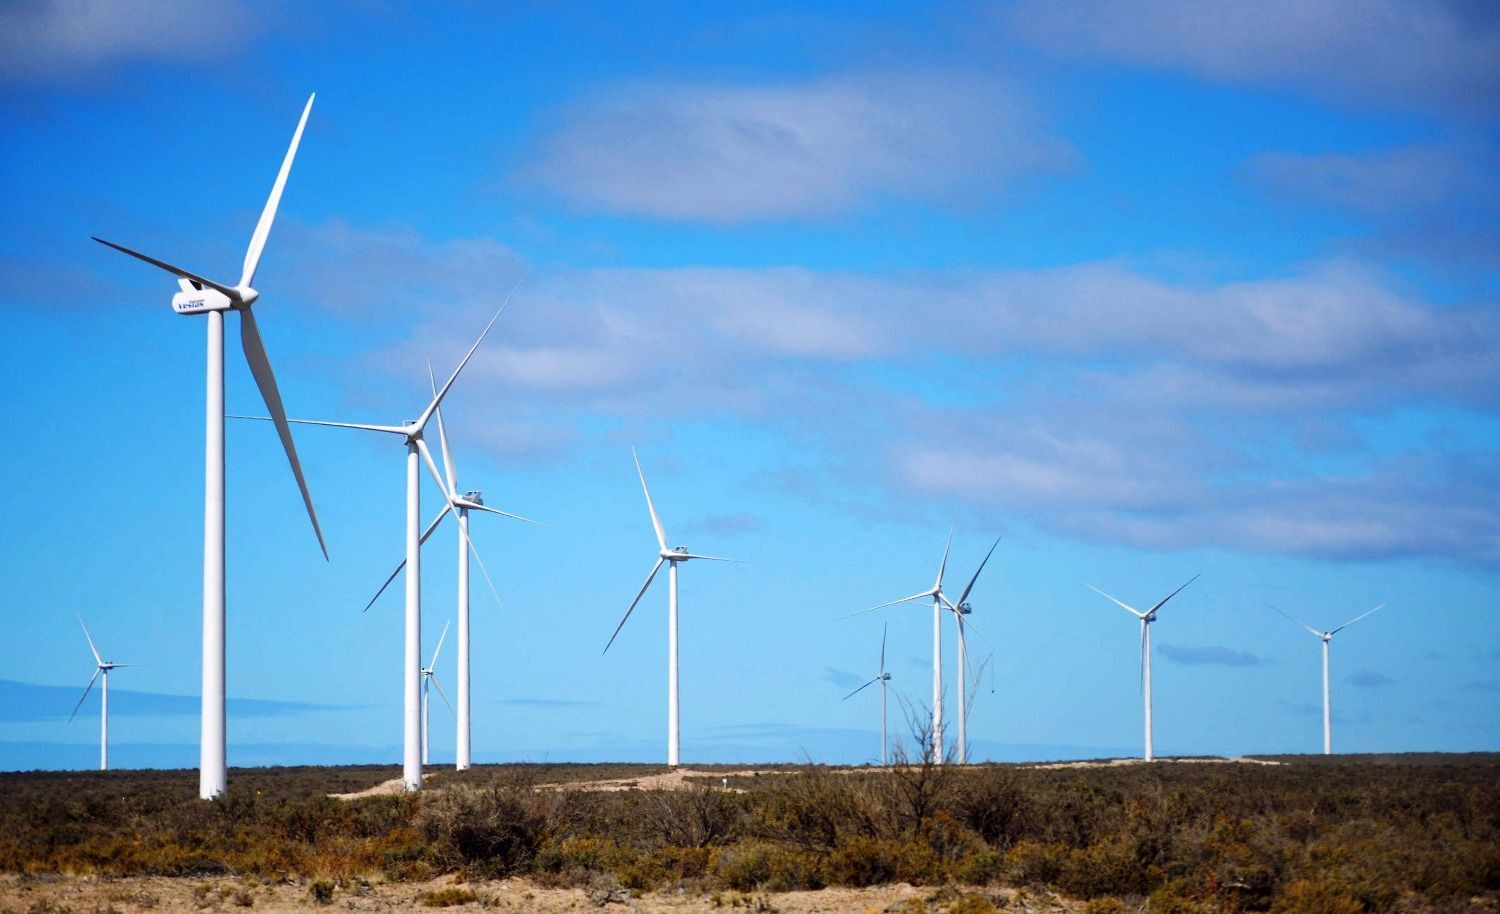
(445, 898)
(321, 891)
(1106, 904)
(1305, 896)
(494, 831)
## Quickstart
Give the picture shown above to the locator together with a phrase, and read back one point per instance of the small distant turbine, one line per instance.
(935, 592)
(417, 454)
(961, 611)
(1326, 637)
(429, 680)
(460, 506)
(101, 668)
(884, 679)
(672, 557)
(1146, 618)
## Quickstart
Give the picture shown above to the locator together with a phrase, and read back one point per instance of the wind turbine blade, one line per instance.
(661, 535)
(1309, 628)
(1354, 620)
(1173, 594)
(474, 507)
(425, 534)
(260, 366)
(975, 578)
(268, 215)
(447, 386)
(364, 427)
(432, 470)
(944, 565)
(884, 630)
(654, 569)
(1143, 659)
(443, 440)
(1133, 611)
(97, 658)
(916, 596)
(441, 694)
(485, 571)
(860, 689)
(439, 649)
(176, 271)
(85, 695)
(969, 626)
(713, 558)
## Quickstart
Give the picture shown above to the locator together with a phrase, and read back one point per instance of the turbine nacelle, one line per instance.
(195, 299)
(680, 554)
(474, 497)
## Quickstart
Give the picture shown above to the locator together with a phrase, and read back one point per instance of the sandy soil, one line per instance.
(56, 895)
(1120, 762)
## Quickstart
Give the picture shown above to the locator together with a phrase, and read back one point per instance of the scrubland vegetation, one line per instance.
(1307, 837)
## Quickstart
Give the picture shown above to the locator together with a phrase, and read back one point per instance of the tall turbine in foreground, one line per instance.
(673, 557)
(884, 679)
(961, 611)
(938, 604)
(1326, 637)
(101, 669)
(460, 506)
(429, 679)
(1146, 618)
(416, 453)
(204, 296)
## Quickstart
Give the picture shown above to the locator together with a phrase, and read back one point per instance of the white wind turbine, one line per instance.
(101, 668)
(429, 679)
(939, 602)
(673, 557)
(461, 505)
(1326, 637)
(1146, 618)
(961, 611)
(884, 679)
(416, 453)
(204, 296)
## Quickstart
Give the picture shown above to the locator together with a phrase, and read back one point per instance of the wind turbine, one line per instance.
(1146, 618)
(416, 453)
(938, 604)
(204, 296)
(101, 668)
(884, 679)
(960, 611)
(1326, 637)
(673, 558)
(428, 681)
(461, 505)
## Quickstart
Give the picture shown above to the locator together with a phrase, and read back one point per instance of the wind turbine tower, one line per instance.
(1147, 617)
(1326, 637)
(961, 612)
(672, 558)
(204, 296)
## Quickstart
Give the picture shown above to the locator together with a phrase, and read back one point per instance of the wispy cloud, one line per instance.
(62, 40)
(841, 678)
(1442, 55)
(1210, 655)
(1369, 679)
(738, 524)
(27, 701)
(731, 153)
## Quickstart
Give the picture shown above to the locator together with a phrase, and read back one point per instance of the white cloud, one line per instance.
(1438, 54)
(1150, 413)
(721, 153)
(52, 40)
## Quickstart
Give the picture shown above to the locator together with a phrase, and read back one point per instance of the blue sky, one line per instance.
(1149, 288)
